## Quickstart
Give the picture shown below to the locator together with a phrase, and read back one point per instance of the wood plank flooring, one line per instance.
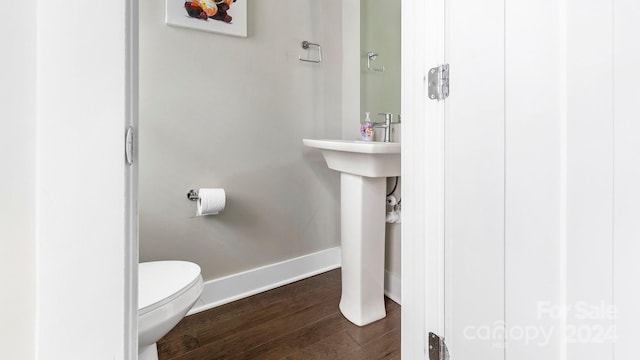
(296, 321)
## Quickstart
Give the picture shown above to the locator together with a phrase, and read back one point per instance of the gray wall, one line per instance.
(219, 111)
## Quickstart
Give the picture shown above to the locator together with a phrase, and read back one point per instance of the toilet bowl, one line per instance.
(166, 292)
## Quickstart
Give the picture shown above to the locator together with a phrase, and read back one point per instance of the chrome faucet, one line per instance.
(388, 120)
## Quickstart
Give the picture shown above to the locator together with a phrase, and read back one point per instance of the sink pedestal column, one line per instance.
(362, 207)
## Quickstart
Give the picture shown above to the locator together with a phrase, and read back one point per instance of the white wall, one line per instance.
(17, 185)
(220, 111)
(61, 148)
(82, 254)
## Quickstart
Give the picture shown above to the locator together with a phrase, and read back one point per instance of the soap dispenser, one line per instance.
(366, 129)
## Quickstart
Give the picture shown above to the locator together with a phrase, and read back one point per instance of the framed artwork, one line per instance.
(228, 17)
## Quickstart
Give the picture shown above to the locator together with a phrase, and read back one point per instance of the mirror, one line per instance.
(380, 49)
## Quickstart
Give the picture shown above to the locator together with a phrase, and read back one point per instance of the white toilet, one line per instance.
(166, 292)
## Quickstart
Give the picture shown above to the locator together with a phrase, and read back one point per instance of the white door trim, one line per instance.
(423, 178)
(131, 185)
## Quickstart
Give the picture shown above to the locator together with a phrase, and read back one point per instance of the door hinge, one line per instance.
(128, 146)
(437, 348)
(439, 82)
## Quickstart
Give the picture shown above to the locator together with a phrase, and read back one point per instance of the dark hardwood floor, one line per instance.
(296, 321)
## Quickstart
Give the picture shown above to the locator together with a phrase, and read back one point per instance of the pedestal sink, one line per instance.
(364, 167)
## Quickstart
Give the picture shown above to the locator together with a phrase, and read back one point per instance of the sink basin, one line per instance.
(364, 167)
(364, 158)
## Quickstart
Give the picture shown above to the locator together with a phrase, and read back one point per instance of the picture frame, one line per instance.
(227, 17)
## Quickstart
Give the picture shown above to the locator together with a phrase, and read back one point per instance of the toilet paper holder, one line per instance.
(193, 195)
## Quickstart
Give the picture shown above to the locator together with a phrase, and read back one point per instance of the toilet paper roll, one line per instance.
(391, 200)
(211, 201)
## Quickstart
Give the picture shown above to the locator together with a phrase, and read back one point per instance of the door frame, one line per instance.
(423, 169)
(423, 174)
(131, 183)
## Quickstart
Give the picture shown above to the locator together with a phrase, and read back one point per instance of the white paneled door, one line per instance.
(474, 198)
(541, 174)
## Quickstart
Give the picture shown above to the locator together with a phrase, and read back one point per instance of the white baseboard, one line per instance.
(237, 286)
(392, 287)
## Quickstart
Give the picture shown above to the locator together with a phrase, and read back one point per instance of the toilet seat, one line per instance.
(166, 292)
(161, 282)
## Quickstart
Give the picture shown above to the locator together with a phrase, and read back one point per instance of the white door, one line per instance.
(542, 166)
(85, 239)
